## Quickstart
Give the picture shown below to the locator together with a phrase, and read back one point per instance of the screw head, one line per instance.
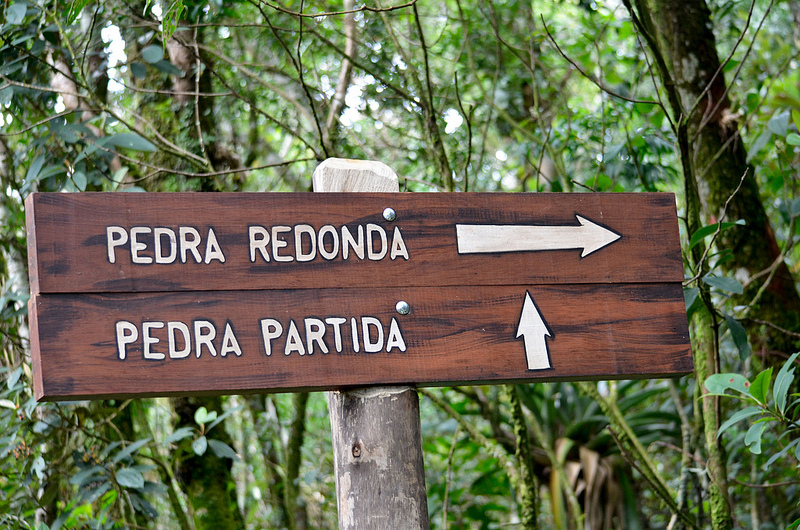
(402, 307)
(389, 214)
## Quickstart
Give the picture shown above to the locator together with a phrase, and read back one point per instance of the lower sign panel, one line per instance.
(160, 344)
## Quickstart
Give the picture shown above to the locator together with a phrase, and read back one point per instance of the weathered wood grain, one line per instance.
(69, 241)
(453, 335)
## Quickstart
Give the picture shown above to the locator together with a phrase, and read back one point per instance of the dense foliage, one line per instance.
(701, 99)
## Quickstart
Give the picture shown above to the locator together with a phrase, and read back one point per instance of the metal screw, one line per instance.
(402, 307)
(389, 214)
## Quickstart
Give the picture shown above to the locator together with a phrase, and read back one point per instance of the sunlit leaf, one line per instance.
(719, 383)
(759, 389)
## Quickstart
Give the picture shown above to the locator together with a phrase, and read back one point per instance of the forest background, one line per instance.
(693, 97)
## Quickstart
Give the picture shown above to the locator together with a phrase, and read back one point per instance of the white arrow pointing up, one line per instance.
(480, 239)
(533, 329)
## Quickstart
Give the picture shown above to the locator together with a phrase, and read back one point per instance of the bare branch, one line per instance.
(589, 76)
(346, 11)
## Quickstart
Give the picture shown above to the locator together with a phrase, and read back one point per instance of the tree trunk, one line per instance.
(680, 32)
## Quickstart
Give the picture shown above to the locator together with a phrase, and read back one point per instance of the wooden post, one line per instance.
(377, 445)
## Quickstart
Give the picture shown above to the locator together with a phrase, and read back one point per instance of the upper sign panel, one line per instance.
(130, 242)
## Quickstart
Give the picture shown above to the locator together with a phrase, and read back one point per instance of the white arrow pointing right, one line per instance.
(534, 330)
(587, 236)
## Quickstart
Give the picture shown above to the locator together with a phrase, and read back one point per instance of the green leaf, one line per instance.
(5, 95)
(202, 416)
(222, 450)
(168, 68)
(753, 437)
(81, 476)
(719, 383)
(80, 180)
(779, 123)
(132, 448)
(138, 70)
(707, 230)
(729, 285)
(782, 383)
(690, 294)
(793, 139)
(796, 118)
(130, 141)
(759, 144)
(75, 9)
(739, 416)
(760, 387)
(739, 336)
(153, 53)
(15, 14)
(38, 467)
(130, 478)
(222, 416)
(35, 168)
(780, 453)
(200, 445)
(7, 403)
(178, 435)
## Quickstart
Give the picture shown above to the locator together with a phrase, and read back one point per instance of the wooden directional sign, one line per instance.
(166, 294)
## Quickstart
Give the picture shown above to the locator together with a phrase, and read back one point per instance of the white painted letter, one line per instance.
(190, 243)
(315, 331)
(270, 329)
(229, 342)
(395, 338)
(293, 341)
(348, 242)
(336, 324)
(325, 230)
(258, 243)
(278, 243)
(159, 250)
(148, 340)
(398, 245)
(174, 352)
(126, 334)
(371, 253)
(299, 230)
(201, 338)
(136, 246)
(212, 248)
(115, 236)
(371, 347)
(354, 334)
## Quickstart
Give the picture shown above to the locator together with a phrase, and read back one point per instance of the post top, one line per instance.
(340, 174)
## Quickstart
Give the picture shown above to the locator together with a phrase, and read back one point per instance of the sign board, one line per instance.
(181, 293)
